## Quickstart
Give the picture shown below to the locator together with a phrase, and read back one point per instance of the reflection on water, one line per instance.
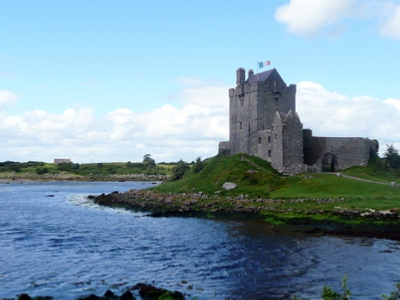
(67, 246)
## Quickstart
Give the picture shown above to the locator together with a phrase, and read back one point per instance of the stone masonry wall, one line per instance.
(224, 148)
(277, 150)
(348, 152)
(292, 144)
(262, 145)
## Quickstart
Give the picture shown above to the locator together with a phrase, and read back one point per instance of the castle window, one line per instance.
(241, 102)
(269, 153)
(259, 140)
(269, 139)
(240, 126)
(275, 135)
(276, 101)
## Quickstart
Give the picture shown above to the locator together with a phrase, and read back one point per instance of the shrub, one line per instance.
(179, 170)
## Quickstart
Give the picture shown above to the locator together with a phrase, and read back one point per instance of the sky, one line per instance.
(111, 81)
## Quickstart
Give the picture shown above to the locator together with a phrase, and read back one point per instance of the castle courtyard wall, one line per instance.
(347, 151)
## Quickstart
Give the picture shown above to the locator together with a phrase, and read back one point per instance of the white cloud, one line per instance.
(7, 99)
(309, 17)
(332, 114)
(168, 133)
(391, 27)
(312, 18)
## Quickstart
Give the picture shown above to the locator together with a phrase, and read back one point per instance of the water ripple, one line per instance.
(67, 246)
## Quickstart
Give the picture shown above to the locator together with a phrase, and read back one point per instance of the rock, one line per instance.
(110, 295)
(393, 184)
(90, 297)
(24, 297)
(127, 296)
(147, 291)
(229, 186)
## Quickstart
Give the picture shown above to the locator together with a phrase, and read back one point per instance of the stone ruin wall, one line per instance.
(277, 149)
(347, 151)
(224, 148)
(293, 145)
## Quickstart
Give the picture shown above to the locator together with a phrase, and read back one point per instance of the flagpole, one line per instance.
(257, 71)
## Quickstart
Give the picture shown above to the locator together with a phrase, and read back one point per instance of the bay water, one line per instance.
(54, 241)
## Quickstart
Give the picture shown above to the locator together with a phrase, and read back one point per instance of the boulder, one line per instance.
(127, 296)
(229, 186)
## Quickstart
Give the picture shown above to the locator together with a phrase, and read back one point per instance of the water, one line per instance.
(54, 241)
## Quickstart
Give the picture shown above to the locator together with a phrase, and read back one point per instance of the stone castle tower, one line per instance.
(264, 123)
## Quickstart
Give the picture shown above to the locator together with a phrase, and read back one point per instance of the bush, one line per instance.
(179, 170)
(198, 165)
(41, 171)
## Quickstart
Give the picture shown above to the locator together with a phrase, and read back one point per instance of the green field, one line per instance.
(9, 169)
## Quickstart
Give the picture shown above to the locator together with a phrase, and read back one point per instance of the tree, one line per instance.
(179, 170)
(198, 165)
(148, 161)
(392, 157)
(373, 153)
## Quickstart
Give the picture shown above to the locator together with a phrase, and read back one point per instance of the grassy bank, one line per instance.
(323, 200)
(257, 179)
(253, 176)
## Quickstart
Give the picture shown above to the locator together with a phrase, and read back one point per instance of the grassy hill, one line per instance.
(254, 177)
(257, 179)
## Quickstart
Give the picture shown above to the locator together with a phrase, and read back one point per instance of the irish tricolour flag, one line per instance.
(264, 64)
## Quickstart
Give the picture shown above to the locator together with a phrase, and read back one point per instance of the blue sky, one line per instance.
(112, 81)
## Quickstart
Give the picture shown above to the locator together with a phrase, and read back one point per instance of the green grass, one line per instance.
(257, 179)
(331, 186)
(374, 171)
(254, 177)
(103, 169)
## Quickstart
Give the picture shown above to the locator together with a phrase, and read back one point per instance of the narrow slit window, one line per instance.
(259, 140)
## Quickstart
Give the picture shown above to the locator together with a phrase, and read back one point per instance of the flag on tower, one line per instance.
(263, 64)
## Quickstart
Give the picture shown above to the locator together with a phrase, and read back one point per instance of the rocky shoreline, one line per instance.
(146, 291)
(380, 224)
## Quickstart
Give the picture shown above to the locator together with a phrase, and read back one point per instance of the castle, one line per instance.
(264, 123)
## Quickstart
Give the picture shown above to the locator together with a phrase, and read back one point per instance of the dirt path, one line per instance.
(360, 179)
